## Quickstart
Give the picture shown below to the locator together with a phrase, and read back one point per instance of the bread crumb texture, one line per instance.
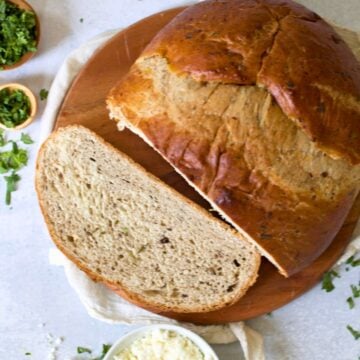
(132, 232)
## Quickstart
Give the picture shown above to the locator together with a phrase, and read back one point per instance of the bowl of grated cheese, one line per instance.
(161, 342)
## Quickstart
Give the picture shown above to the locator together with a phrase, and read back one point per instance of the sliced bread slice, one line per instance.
(125, 228)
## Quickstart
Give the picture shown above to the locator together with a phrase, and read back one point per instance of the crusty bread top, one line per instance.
(279, 45)
(237, 147)
(124, 227)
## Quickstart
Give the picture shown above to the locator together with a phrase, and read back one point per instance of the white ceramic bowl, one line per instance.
(129, 338)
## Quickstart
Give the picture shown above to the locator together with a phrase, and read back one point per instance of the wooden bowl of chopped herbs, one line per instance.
(18, 106)
(19, 33)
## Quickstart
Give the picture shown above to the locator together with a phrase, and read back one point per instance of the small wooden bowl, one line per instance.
(22, 4)
(33, 105)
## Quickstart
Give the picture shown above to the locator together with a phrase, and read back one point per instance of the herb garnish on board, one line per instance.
(17, 33)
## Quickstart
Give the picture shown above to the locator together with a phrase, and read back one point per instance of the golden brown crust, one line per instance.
(282, 46)
(121, 290)
(290, 230)
(291, 227)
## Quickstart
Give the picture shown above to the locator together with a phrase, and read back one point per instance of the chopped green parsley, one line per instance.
(105, 349)
(11, 182)
(327, 282)
(43, 94)
(17, 33)
(12, 160)
(3, 141)
(354, 333)
(15, 107)
(351, 302)
(26, 139)
(81, 350)
(355, 291)
(351, 261)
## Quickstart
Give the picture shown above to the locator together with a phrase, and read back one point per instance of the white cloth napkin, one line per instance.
(100, 302)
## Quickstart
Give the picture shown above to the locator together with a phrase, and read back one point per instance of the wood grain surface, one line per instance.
(85, 104)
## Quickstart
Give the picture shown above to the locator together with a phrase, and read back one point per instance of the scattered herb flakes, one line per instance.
(327, 282)
(43, 94)
(28, 353)
(355, 291)
(11, 182)
(17, 33)
(15, 148)
(352, 261)
(13, 160)
(81, 20)
(270, 314)
(351, 302)
(3, 141)
(26, 139)
(105, 349)
(81, 350)
(15, 107)
(354, 333)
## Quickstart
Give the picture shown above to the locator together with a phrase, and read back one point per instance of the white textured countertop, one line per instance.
(35, 298)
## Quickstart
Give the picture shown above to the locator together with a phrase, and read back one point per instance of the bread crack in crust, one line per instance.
(257, 105)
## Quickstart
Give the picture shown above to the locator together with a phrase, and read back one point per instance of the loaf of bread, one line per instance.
(257, 104)
(125, 228)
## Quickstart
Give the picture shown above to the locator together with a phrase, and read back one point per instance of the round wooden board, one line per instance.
(85, 105)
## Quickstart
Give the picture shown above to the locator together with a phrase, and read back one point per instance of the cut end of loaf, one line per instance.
(236, 146)
(126, 229)
(115, 113)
